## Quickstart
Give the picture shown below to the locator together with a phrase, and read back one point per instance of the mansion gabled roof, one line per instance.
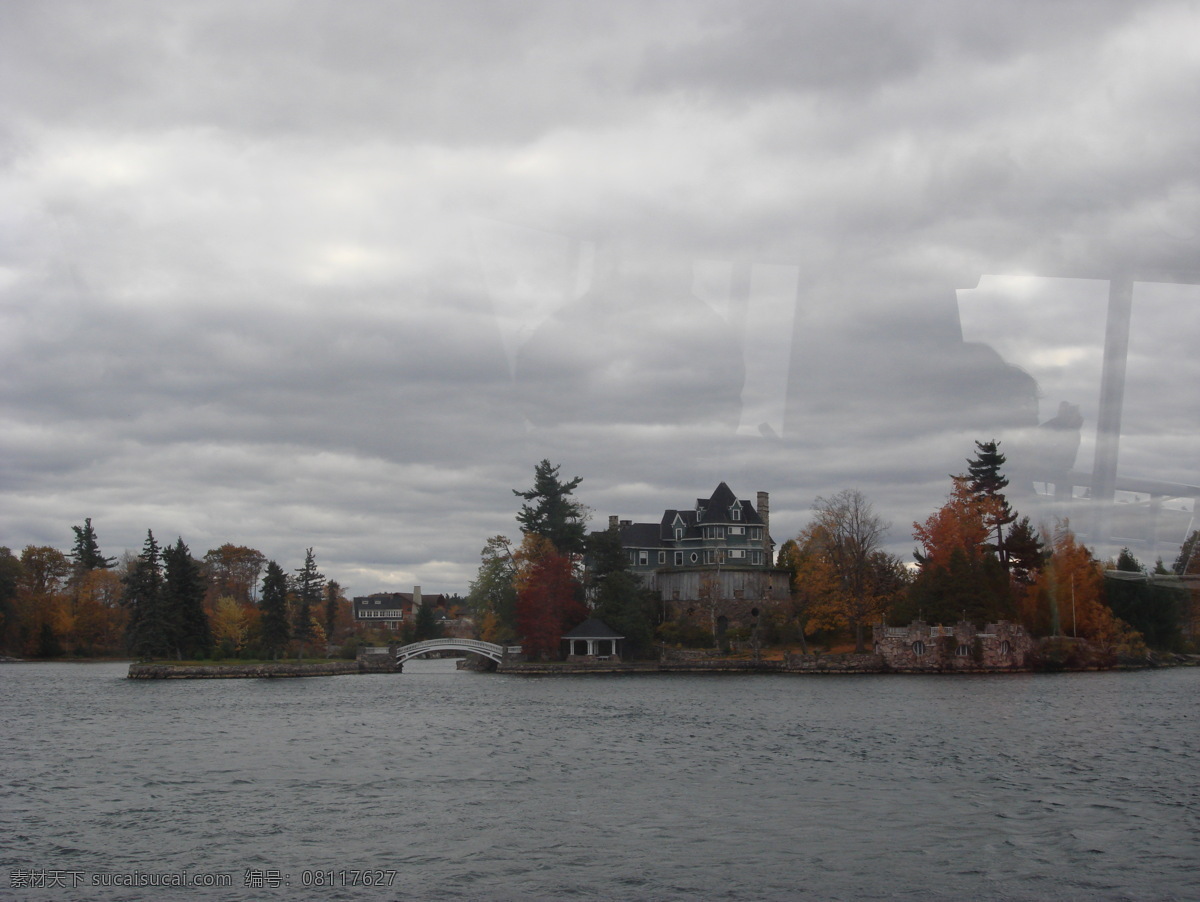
(641, 535)
(716, 508)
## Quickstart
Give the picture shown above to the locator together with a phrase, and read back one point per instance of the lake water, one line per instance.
(479, 786)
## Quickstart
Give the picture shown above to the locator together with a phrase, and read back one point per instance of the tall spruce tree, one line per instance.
(987, 482)
(333, 596)
(1188, 561)
(553, 513)
(150, 630)
(86, 551)
(275, 631)
(309, 583)
(183, 588)
(1026, 552)
(425, 625)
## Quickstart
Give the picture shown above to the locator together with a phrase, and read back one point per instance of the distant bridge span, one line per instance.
(490, 650)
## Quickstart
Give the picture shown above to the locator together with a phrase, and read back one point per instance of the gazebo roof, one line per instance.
(593, 628)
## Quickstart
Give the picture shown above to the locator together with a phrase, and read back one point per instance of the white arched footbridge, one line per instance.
(490, 650)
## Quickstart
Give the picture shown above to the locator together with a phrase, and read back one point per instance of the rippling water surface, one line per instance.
(478, 786)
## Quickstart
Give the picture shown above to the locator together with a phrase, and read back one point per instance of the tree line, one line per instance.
(165, 603)
(977, 559)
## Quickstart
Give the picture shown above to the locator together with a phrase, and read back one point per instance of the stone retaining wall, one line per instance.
(834, 664)
(240, 671)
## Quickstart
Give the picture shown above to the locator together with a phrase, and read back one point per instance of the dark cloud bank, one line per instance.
(338, 276)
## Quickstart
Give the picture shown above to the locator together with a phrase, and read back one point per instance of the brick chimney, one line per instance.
(764, 513)
(416, 596)
(612, 521)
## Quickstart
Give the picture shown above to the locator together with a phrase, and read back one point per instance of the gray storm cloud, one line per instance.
(337, 276)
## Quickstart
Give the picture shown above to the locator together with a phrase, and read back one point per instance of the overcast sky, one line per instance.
(339, 274)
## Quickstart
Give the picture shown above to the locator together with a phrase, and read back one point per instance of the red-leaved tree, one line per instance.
(547, 605)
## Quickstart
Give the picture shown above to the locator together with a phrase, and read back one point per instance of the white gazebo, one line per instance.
(593, 640)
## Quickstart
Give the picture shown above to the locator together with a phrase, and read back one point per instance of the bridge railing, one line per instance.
(487, 649)
(450, 643)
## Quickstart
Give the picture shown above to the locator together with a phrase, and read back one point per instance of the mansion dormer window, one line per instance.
(678, 533)
(735, 512)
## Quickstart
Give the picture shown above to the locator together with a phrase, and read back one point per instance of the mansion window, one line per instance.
(678, 533)
(756, 557)
(737, 530)
(678, 558)
(643, 558)
(756, 533)
(735, 513)
(737, 553)
(710, 556)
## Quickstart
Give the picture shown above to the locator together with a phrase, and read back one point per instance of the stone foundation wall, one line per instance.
(834, 664)
(240, 671)
(922, 648)
(688, 655)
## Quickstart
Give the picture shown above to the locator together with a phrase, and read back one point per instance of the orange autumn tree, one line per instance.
(547, 605)
(962, 523)
(960, 575)
(1067, 597)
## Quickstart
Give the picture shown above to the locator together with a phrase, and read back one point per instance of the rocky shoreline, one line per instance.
(275, 670)
(794, 664)
(821, 664)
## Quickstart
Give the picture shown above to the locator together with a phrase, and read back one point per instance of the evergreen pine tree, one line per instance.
(1127, 563)
(986, 481)
(1026, 552)
(150, 631)
(184, 587)
(553, 515)
(275, 632)
(1188, 561)
(333, 594)
(86, 551)
(309, 582)
(617, 596)
(426, 625)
